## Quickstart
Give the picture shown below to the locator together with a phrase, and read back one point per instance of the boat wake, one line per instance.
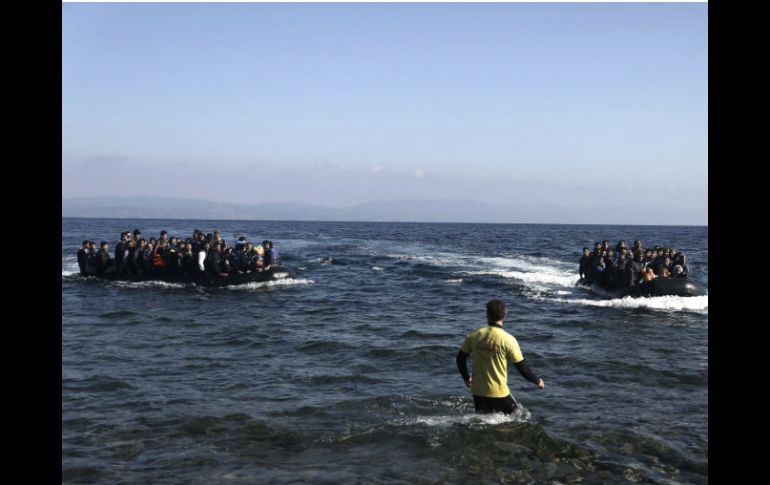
(675, 303)
(546, 279)
(270, 284)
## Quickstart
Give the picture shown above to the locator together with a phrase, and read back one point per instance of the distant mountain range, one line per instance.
(451, 210)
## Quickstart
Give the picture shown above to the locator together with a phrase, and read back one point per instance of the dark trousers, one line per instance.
(485, 405)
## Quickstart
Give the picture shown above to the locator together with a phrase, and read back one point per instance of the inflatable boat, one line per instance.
(656, 287)
(201, 279)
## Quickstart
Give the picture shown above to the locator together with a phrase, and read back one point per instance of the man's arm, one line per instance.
(462, 358)
(527, 374)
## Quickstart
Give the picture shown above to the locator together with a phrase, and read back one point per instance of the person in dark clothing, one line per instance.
(228, 259)
(218, 238)
(597, 267)
(621, 245)
(244, 258)
(271, 258)
(609, 271)
(584, 263)
(215, 264)
(103, 260)
(664, 262)
(120, 250)
(173, 259)
(82, 257)
(195, 241)
(137, 236)
(89, 260)
(635, 270)
(149, 247)
(136, 259)
(240, 245)
(681, 260)
(492, 349)
(618, 276)
(130, 264)
(187, 262)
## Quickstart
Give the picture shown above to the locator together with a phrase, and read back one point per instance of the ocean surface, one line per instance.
(346, 374)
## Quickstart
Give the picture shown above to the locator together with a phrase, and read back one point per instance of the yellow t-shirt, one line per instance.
(491, 348)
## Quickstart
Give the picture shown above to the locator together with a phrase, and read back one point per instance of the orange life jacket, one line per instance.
(157, 258)
(647, 274)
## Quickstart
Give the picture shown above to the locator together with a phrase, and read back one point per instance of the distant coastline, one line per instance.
(447, 211)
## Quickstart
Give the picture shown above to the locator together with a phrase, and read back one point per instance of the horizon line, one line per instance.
(390, 222)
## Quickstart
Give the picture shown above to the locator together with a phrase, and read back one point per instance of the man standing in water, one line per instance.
(492, 348)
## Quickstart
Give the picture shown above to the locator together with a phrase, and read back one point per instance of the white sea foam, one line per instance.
(530, 264)
(547, 276)
(376, 268)
(693, 303)
(519, 416)
(526, 269)
(550, 277)
(69, 266)
(270, 284)
(466, 415)
(435, 259)
(147, 284)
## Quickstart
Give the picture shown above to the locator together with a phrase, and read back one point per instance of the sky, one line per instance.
(575, 105)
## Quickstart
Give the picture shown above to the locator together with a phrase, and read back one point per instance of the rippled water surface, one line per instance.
(346, 373)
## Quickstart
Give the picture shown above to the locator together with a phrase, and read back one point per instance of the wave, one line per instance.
(169, 285)
(414, 412)
(69, 266)
(146, 284)
(521, 415)
(531, 264)
(125, 284)
(528, 269)
(692, 303)
(270, 284)
(550, 277)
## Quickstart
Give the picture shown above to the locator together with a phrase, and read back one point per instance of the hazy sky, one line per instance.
(560, 104)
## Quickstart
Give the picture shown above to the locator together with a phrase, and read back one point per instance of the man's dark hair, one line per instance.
(85, 243)
(495, 311)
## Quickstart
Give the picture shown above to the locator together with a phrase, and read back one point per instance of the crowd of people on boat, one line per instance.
(622, 267)
(202, 254)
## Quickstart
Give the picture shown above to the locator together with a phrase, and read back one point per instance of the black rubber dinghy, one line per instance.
(205, 279)
(656, 287)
